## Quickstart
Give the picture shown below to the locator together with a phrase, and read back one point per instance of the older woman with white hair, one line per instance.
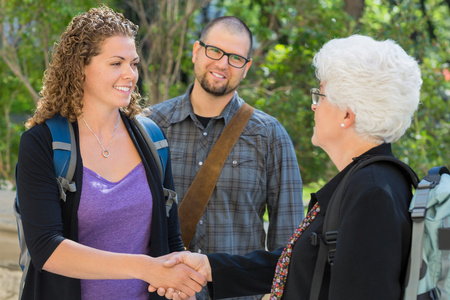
(367, 95)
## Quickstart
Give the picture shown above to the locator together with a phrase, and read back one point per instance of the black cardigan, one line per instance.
(372, 250)
(48, 221)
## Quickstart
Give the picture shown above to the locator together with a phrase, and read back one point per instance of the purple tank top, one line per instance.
(116, 217)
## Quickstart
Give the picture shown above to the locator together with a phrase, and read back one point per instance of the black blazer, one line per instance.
(48, 221)
(372, 249)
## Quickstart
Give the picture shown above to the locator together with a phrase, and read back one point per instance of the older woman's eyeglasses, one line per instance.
(315, 95)
(215, 53)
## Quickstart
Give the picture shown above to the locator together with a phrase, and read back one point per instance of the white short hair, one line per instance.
(377, 80)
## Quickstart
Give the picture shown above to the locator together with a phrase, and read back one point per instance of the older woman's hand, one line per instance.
(197, 262)
(164, 272)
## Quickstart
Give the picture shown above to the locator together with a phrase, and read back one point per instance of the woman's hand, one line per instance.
(197, 262)
(166, 272)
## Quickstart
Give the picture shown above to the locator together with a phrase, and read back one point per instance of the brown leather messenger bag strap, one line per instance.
(196, 199)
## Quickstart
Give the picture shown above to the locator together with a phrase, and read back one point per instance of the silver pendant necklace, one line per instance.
(105, 151)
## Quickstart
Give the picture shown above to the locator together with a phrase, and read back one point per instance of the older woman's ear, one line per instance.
(349, 119)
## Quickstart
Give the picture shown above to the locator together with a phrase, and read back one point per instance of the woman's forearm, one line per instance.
(74, 260)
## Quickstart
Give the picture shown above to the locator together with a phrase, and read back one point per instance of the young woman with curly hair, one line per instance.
(114, 225)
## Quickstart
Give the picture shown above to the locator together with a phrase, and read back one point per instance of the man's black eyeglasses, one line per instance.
(215, 53)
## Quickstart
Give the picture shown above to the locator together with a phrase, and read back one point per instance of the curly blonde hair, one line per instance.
(62, 91)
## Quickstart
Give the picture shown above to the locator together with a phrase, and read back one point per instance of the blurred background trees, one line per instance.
(287, 33)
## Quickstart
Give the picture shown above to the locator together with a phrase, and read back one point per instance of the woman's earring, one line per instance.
(342, 124)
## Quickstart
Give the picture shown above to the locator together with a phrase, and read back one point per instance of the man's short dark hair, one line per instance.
(233, 24)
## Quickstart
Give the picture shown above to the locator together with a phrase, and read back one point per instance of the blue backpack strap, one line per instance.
(159, 148)
(146, 125)
(63, 147)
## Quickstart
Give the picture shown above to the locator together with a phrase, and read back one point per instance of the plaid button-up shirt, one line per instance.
(261, 170)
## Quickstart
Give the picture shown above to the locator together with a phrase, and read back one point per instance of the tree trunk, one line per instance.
(354, 8)
(163, 26)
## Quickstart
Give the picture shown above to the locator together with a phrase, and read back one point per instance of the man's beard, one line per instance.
(217, 90)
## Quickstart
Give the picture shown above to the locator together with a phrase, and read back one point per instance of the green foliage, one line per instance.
(426, 143)
(287, 34)
(28, 31)
(280, 78)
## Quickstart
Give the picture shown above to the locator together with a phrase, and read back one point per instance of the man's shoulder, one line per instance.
(162, 112)
(261, 120)
(167, 105)
(263, 117)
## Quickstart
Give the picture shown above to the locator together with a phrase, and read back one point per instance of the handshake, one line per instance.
(188, 273)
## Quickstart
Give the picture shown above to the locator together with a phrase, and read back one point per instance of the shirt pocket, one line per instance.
(177, 154)
(179, 167)
(240, 170)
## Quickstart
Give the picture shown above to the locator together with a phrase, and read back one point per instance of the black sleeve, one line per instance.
(236, 275)
(38, 195)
